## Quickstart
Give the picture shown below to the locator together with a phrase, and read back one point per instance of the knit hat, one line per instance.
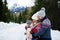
(41, 13)
(43, 8)
(35, 16)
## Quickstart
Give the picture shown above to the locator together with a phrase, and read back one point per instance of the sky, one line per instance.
(25, 3)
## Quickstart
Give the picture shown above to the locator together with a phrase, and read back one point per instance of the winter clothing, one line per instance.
(36, 28)
(35, 16)
(29, 35)
(44, 31)
(41, 13)
(32, 30)
(45, 38)
(28, 28)
(43, 8)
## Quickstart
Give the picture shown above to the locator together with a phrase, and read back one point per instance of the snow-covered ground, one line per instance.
(15, 31)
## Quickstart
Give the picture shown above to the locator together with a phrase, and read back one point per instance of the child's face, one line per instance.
(39, 17)
(35, 21)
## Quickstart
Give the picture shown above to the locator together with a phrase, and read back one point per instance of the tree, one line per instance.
(1, 10)
(6, 13)
(20, 19)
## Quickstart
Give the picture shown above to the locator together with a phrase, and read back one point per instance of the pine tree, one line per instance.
(1, 10)
(6, 12)
(20, 19)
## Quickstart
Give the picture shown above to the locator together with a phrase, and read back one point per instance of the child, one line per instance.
(35, 29)
(32, 28)
(28, 28)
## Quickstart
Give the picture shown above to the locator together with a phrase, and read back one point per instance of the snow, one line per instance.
(15, 31)
(55, 34)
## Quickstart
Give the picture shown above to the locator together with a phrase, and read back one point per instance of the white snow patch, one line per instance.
(15, 31)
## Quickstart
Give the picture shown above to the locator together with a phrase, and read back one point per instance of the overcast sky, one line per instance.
(25, 3)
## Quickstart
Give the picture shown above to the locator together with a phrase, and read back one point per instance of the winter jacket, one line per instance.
(44, 32)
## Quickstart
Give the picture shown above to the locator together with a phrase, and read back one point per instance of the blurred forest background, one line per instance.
(52, 11)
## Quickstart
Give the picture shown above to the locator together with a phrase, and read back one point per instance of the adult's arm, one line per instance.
(43, 29)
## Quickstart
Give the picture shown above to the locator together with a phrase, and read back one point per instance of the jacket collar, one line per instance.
(43, 18)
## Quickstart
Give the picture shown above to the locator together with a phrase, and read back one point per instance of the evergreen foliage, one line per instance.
(52, 11)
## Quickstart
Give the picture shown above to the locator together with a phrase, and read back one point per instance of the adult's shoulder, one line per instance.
(46, 22)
